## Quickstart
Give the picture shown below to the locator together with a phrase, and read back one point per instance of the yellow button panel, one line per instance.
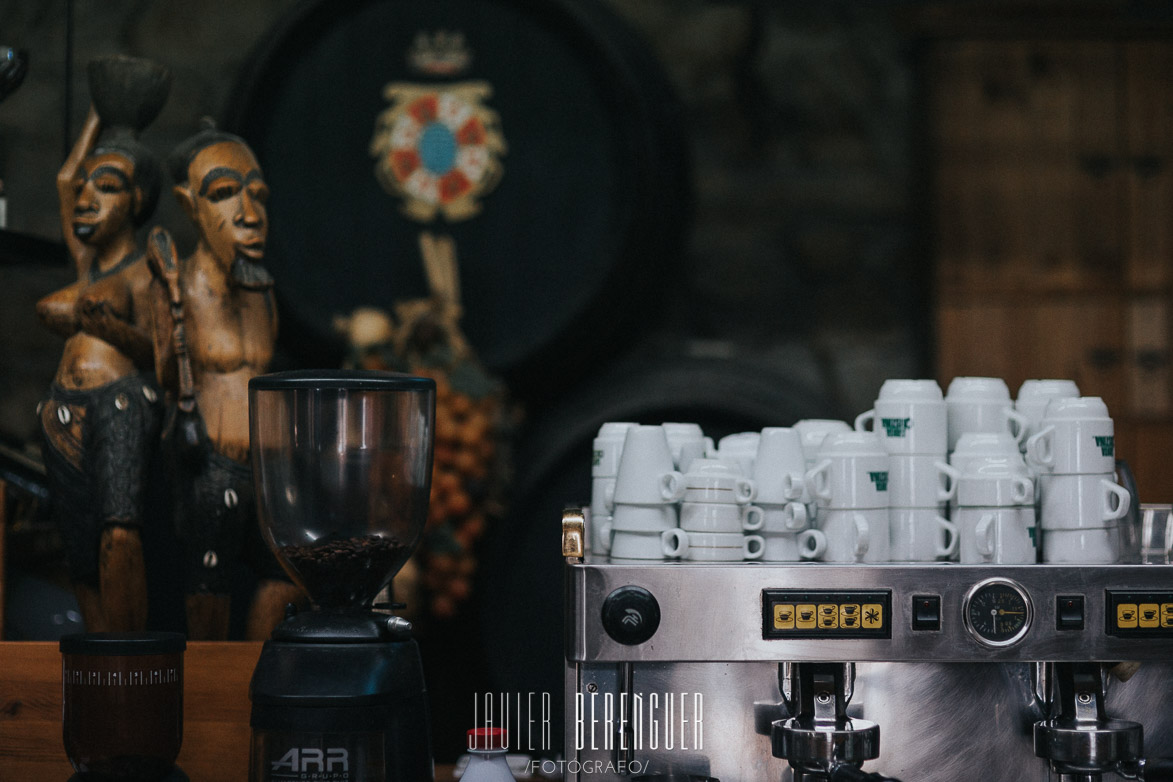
(793, 613)
(1140, 613)
(873, 615)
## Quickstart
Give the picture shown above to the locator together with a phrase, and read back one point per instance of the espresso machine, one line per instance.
(815, 672)
(343, 464)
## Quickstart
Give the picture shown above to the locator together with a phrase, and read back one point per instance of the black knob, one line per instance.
(631, 615)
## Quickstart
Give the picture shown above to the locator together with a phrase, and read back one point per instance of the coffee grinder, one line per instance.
(343, 464)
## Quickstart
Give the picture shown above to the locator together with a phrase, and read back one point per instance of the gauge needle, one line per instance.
(1002, 611)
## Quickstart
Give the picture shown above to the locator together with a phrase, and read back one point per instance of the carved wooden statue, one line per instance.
(101, 420)
(216, 323)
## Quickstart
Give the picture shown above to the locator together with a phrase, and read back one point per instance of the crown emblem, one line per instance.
(442, 53)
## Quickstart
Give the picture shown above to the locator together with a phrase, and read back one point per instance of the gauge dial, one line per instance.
(997, 612)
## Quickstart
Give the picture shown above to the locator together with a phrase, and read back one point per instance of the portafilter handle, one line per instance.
(853, 774)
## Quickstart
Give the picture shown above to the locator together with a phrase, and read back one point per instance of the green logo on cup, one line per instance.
(1033, 541)
(880, 479)
(1107, 444)
(598, 459)
(896, 427)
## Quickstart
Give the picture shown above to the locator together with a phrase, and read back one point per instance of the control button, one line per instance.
(784, 617)
(631, 615)
(829, 616)
(806, 617)
(1069, 612)
(1166, 614)
(1126, 615)
(849, 616)
(1149, 615)
(926, 612)
(873, 616)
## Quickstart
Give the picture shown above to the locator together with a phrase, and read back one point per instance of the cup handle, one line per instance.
(820, 544)
(950, 529)
(1018, 424)
(744, 490)
(672, 486)
(984, 532)
(753, 547)
(1123, 500)
(861, 421)
(674, 542)
(861, 535)
(605, 530)
(609, 497)
(1024, 489)
(1038, 449)
(752, 518)
(796, 518)
(793, 485)
(817, 480)
(947, 489)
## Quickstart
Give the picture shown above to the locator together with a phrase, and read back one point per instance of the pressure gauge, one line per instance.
(997, 612)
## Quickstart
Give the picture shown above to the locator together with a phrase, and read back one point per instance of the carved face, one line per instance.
(228, 198)
(105, 198)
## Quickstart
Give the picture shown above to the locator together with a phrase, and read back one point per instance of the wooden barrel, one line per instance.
(540, 134)
(521, 576)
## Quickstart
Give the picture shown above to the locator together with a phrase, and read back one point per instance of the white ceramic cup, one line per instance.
(994, 481)
(647, 474)
(920, 535)
(686, 442)
(794, 546)
(852, 472)
(1081, 501)
(811, 432)
(920, 481)
(977, 445)
(1001, 536)
(910, 417)
(856, 535)
(779, 466)
(718, 480)
(741, 447)
(982, 404)
(711, 546)
(1075, 436)
(606, 450)
(788, 517)
(637, 545)
(720, 517)
(1091, 546)
(1034, 395)
(642, 518)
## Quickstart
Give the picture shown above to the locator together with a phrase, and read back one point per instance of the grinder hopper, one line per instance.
(343, 464)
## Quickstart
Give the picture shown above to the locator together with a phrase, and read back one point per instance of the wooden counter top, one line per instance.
(215, 712)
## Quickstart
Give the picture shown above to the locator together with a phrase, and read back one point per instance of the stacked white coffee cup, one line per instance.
(995, 513)
(607, 448)
(715, 514)
(647, 488)
(811, 433)
(850, 486)
(982, 404)
(1081, 503)
(911, 422)
(779, 469)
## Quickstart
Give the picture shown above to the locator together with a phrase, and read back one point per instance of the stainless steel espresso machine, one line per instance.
(818, 672)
